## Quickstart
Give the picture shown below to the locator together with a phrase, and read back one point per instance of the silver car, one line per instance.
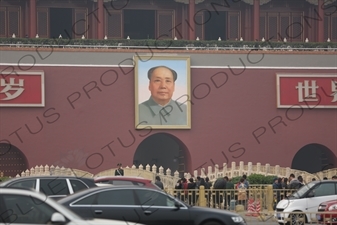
(18, 206)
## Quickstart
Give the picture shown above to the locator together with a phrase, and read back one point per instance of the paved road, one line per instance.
(262, 219)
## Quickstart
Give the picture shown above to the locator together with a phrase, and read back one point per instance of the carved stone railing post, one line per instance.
(46, 170)
(37, 170)
(154, 168)
(277, 171)
(216, 170)
(224, 169)
(52, 169)
(41, 170)
(57, 170)
(161, 170)
(203, 172)
(233, 169)
(148, 167)
(32, 171)
(258, 168)
(63, 171)
(69, 172)
(241, 168)
(141, 167)
(168, 172)
(209, 170)
(250, 168)
(176, 174)
(267, 168)
(288, 172)
(195, 173)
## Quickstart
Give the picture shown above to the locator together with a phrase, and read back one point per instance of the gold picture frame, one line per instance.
(162, 92)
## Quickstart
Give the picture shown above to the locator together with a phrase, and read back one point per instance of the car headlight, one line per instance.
(332, 207)
(237, 219)
(321, 207)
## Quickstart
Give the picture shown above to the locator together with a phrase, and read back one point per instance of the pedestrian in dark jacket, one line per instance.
(159, 183)
(229, 193)
(119, 171)
(218, 191)
(294, 183)
(192, 191)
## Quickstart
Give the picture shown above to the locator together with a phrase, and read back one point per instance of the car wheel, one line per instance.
(212, 223)
(297, 218)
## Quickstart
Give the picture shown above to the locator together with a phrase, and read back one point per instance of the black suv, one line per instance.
(53, 186)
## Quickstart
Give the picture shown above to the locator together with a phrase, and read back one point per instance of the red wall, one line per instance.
(223, 120)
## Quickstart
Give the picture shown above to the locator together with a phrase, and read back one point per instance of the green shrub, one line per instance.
(4, 179)
(162, 44)
(256, 179)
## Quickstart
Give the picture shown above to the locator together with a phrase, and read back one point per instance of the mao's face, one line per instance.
(161, 85)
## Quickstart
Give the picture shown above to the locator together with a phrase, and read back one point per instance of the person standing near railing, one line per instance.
(119, 171)
(218, 187)
(276, 188)
(191, 187)
(294, 183)
(159, 183)
(229, 193)
(242, 192)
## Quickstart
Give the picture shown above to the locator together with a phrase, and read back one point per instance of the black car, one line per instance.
(55, 187)
(144, 205)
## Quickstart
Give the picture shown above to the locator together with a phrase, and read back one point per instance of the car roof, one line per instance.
(99, 188)
(128, 178)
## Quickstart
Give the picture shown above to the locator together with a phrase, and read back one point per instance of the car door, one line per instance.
(21, 209)
(116, 204)
(108, 204)
(321, 192)
(156, 207)
(53, 187)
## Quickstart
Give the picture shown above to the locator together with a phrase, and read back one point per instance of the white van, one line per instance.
(306, 200)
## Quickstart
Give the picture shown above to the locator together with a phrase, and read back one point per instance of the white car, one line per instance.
(18, 206)
(301, 206)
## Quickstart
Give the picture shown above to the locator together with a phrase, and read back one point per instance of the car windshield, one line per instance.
(300, 192)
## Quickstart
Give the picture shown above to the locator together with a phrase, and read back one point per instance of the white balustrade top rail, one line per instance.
(170, 179)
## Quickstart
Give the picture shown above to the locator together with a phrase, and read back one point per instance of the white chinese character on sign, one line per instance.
(307, 92)
(11, 90)
(334, 90)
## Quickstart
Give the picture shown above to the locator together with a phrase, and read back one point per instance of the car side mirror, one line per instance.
(311, 194)
(57, 218)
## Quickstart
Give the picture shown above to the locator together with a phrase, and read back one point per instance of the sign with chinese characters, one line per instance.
(22, 89)
(314, 91)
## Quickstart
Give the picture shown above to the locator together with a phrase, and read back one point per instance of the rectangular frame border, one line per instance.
(22, 73)
(279, 75)
(136, 58)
